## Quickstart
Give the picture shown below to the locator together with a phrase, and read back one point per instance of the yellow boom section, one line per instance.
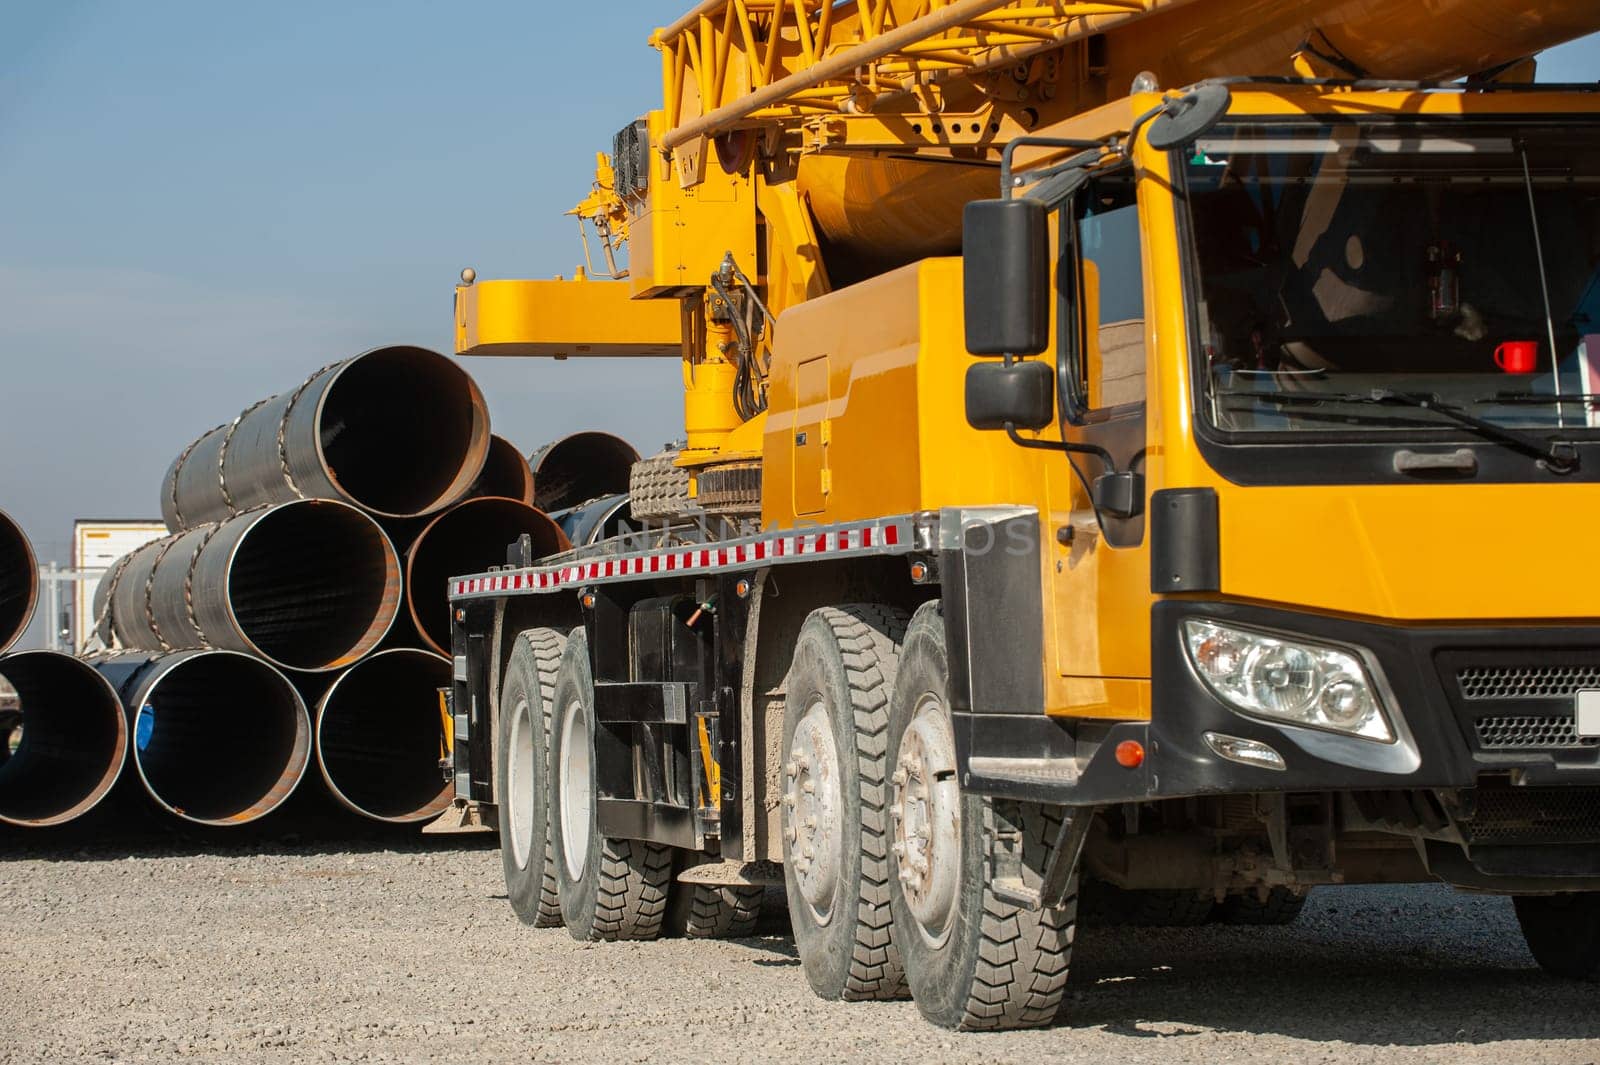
(733, 61)
(562, 318)
(731, 64)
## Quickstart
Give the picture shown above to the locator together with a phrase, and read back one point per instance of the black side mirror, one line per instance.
(1189, 117)
(1022, 394)
(1005, 249)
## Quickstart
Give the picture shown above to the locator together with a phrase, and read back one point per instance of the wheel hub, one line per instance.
(520, 785)
(813, 811)
(926, 809)
(577, 789)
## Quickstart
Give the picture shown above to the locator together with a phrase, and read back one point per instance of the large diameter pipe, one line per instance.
(69, 735)
(310, 585)
(19, 582)
(398, 431)
(217, 737)
(469, 538)
(579, 468)
(595, 520)
(380, 736)
(506, 473)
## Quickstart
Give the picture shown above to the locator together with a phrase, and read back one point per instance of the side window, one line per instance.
(1109, 348)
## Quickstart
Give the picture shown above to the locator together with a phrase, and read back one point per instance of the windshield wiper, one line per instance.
(1509, 398)
(1558, 456)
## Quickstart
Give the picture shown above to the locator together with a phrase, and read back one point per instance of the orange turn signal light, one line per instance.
(1130, 754)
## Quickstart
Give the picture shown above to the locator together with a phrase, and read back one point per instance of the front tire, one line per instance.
(973, 961)
(1563, 932)
(523, 751)
(835, 832)
(610, 889)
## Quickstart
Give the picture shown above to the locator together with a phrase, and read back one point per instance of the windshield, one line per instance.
(1455, 261)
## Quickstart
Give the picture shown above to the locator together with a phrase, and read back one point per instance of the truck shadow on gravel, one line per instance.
(1407, 967)
(1412, 966)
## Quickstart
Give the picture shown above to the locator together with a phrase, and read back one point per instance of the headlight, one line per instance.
(1287, 680)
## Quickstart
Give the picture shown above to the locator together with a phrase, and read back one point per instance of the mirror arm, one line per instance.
(1130, 484)
(1062, 445)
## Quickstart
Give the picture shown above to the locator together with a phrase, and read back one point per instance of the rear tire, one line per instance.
(1281, 906)
(835, 831)
(714, 911)
(523, 752)
(610, 889)
(973, 961)
(1563, 932)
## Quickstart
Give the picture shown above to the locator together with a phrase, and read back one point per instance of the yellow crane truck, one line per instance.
(1139, 447)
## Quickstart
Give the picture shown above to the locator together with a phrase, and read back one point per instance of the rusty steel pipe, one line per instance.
(19, 581)
(506, 473)
(468, 538)
(380, 736)
(73, 740)
(581, 467)
(310, 585)
(398, 431)
(217, 737)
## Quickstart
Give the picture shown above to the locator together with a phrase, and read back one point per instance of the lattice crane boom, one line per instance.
(733, 62)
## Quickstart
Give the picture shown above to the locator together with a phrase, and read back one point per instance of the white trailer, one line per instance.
(96, 544)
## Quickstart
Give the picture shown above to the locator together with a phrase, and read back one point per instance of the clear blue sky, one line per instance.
(202, 202)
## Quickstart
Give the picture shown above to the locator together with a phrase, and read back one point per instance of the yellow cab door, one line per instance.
(1099, 577)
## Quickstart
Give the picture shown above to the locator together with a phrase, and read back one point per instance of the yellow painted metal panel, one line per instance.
(563, 318)
(811, 435)
(680, 235)
(1415, 552)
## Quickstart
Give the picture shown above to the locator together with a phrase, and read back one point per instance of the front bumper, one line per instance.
(1469, 703)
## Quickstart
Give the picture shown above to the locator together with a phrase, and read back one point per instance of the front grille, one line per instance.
(1502, 815)
(1525, 682)
(1510, 733)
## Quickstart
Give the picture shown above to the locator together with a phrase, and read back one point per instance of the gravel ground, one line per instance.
(405, 950)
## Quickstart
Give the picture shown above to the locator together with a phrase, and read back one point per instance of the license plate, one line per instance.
(1589, 712)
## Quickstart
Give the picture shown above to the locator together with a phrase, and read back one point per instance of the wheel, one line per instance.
(1563, 932)
(835, 832)
(610, 889)
(714, 911)
(658, 490)
(973, 961)
(1147, 907)
(1281, 906)
(523, 751)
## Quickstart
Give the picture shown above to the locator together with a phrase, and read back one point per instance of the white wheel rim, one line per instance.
(926, 806)
(520, 783)
(814, 812)
(577, 789)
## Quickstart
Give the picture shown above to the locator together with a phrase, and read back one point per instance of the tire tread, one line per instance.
(869, 637)
(719, 911)
(547, 646)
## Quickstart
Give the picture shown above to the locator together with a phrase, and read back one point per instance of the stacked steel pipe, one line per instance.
(298, 609)
(63, 746)
(19, 582)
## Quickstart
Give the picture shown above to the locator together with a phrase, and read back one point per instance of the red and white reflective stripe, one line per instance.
(886, 536)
